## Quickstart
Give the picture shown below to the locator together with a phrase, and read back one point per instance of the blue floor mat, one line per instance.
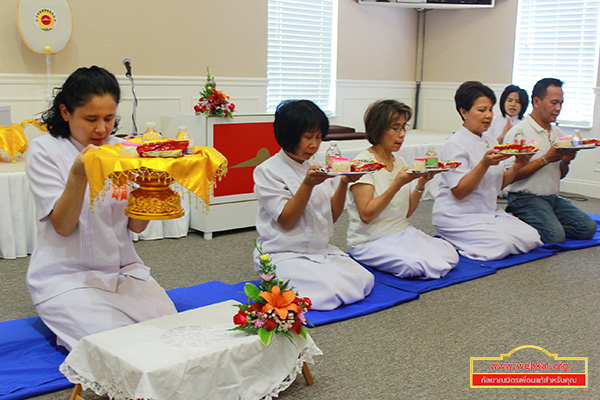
(512, 260)
(381, 297)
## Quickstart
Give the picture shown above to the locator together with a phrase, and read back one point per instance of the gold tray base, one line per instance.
(154, 200)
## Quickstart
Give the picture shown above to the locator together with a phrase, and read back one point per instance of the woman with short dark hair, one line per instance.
(297, 207)
(465, 211)
(379, 234)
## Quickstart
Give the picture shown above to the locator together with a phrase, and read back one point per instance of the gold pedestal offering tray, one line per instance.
(153, 199)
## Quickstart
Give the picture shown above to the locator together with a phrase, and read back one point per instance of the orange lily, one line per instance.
(280, 302)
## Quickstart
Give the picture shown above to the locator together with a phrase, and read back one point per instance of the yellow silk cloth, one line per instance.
(194, 172)
(40, 126)
(12, 140)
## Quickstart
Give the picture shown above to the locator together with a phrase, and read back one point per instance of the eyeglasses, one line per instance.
(399, 128)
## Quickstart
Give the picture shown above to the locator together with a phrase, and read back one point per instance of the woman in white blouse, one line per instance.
(465, 211)
(513, 104)
(84, 276)
(379, 234)
(297, 207)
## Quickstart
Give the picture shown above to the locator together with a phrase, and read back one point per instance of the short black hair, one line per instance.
(79, 87)
(468, 92)
(523, 99)
(541, 87)
(381, 115)
(293, 118)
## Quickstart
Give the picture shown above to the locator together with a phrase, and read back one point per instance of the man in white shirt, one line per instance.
(533, 196)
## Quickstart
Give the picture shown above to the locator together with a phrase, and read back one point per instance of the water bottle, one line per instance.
(520, 137)
(151, 133)
(576, 139)
(332, 151)
(185, 135)
(431, 158)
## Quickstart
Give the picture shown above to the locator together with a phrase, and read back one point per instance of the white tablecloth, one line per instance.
(18, 230)
(190, 355)
(18, 225)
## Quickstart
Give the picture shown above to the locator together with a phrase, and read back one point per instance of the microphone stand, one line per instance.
(135, 103)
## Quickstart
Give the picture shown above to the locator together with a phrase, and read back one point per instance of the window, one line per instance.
(559, 39)
(301, 52)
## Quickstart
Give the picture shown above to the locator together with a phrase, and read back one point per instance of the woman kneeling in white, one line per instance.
(297, 206)
(84, 276)
(465, 211)
(379, 234)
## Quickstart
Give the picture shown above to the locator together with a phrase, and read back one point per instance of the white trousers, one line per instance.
(409, 254)
(329, 283)
(507, 235)
(85, 311)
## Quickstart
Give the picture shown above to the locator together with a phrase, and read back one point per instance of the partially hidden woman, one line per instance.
(84, 276)
(513, 104)
(465, 211)
(297, 209)
(379, 234)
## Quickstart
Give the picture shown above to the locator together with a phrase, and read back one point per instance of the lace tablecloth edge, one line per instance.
(306, 355)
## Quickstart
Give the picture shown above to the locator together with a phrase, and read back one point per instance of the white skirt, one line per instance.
(85, 311)
(408, 254)
(505, 236)
(329, 280)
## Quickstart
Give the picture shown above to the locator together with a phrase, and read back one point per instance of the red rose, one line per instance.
(196, 108)
(306, 301)
(297, 327)
(255, 307)
(232, 106)
(240, 318)
(270, 325)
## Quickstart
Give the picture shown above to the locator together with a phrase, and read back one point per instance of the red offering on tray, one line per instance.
(365, 165)
(448, 164)
(516, 148)
(163, 148)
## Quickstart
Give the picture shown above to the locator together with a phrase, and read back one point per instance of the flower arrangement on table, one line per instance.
(273, 306)
(213, 102)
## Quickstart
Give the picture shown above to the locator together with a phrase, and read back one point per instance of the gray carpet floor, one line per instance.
(416, 350)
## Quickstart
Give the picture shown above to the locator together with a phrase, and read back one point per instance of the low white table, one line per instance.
(190, 355)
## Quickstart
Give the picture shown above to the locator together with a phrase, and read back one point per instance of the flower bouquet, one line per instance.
(213, 102)
(273, 306)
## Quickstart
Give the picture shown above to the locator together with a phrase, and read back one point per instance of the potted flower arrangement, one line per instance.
(272, 307)
(213, 102)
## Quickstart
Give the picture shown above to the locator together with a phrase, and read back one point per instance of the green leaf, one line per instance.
(284, 285)
(303, 332)
(265, 336)
(252, 291)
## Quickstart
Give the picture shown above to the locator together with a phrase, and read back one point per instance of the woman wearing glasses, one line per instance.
(379, 234)
(465, 211)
